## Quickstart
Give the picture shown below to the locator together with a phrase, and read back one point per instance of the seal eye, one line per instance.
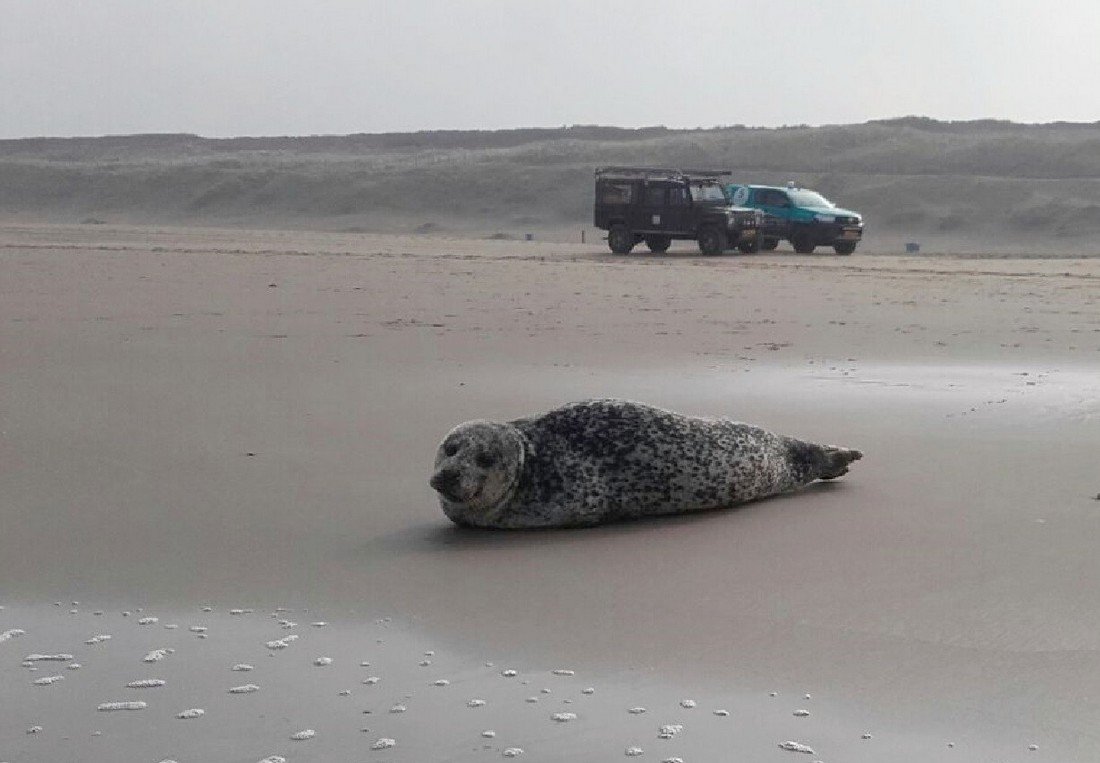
(450, 449)
(484, 460)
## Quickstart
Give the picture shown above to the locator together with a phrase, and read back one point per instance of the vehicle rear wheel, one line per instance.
(658, 244)
(620, 240)
(844, 247)
(749, 247)
(712, 240)
(769, 244)
(802, 242)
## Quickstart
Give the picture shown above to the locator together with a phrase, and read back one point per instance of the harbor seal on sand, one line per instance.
(604, 460)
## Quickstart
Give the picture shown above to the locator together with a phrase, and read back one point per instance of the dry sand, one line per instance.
(246, 420)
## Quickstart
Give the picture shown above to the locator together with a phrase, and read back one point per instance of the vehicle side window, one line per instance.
(677, 196)
(617, 193)
(655, 195)
(772, 198)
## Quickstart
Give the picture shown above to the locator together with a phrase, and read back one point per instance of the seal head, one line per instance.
(477, 468)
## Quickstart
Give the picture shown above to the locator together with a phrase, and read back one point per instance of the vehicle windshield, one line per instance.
(707, 193)
(804, 198)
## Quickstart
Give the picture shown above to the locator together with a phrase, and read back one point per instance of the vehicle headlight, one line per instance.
(825, 218)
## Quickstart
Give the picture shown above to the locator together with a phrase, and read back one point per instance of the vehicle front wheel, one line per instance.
(658, 244)
(620, 240)
(844, 247)
(749, 247)
(802, 242)
(712, 240)
(769, 244)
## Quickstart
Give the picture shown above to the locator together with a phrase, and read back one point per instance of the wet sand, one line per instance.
(247, 419)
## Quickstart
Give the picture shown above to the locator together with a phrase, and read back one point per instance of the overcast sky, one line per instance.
(276, 67)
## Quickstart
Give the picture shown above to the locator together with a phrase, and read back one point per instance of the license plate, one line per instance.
(848, 235)
(748, 233)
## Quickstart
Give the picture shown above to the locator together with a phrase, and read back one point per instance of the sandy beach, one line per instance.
(196, 421)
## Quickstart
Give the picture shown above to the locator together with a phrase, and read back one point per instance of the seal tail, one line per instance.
(836, 460)
(810, 461)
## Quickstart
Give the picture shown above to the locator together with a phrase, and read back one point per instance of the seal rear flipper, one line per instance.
(836, 461)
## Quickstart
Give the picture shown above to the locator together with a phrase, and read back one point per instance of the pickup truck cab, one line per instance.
(804, 217)
(655, 205)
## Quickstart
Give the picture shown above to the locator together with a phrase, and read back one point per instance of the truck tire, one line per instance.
(769, 244)
(620, 240)
(658, 244)
(749, 247)
(712, 240)
(802, 242)
(844, 247)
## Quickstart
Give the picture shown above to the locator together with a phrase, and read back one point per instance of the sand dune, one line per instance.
(1009, 186)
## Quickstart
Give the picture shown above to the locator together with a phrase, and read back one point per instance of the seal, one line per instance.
(598, 461)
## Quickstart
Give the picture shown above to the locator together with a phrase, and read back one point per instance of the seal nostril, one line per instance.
(444, 481)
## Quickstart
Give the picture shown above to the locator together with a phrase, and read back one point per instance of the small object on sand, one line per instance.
(372, 680)
(1033, 747)
(636, 710)
(12, 633)
(398, 709)
(197, 629)
(588, 690)
(195, 712)
(322, 661)
(146, 683)
(303, 735)
(344, 693)
(673, 760)
(773, 694)
(545, 691)
(148, 621)
(866, 736)
(796, 747)
(74, 666)
(687, 703)
(634, 752)
(273, 759)
(801, 713)
(281, 643)
(48, 658)
(424, 663)
(476, 703)
(532, 700)
(384, 743)
(207, 609)
(240, 611)
(668, 731)
(109, 707)
(242, 667)
(806, 696)
(488, 733)
(319, 624)
(34, 730)
(722, 713)
(564, 672)
(513, 752)
(509, 673)
(442, 682)
(98, 639)
(156, 655)
(563, 717)
(47, 680)
(246, 689)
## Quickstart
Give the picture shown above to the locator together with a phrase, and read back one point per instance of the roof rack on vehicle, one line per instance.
(669, 172)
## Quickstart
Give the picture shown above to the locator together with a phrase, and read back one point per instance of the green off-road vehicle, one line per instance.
(804, 217)
(636, 204)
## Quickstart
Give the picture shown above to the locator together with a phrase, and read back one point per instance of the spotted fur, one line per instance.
(605, 460)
